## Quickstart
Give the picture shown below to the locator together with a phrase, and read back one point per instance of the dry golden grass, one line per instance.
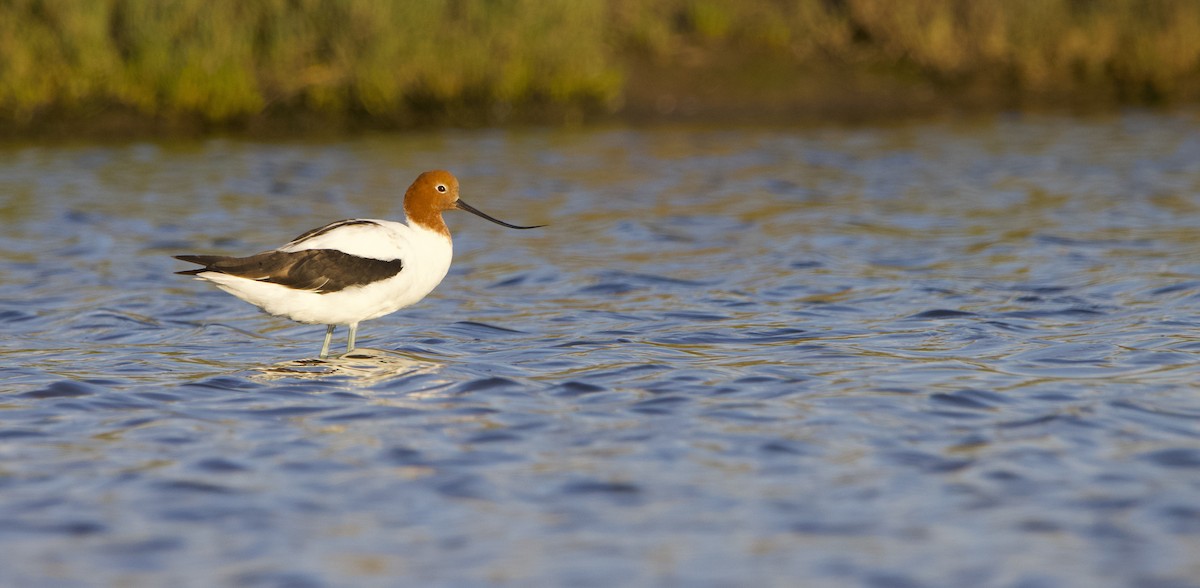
(399, 61)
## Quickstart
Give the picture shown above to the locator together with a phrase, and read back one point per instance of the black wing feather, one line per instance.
(319, 270)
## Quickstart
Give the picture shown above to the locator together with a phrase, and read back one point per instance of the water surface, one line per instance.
(937, 354)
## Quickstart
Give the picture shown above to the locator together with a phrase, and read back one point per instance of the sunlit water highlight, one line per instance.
(926, 355)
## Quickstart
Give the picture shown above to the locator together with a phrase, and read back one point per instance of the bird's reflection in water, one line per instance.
(363, 365)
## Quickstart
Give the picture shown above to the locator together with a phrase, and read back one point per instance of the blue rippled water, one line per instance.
(935, 354)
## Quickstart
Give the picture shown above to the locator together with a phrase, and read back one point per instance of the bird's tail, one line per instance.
(204, 260)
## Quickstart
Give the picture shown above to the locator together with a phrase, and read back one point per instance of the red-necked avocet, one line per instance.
(351, 270)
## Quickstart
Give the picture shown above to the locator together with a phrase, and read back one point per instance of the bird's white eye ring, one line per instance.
(441, 187)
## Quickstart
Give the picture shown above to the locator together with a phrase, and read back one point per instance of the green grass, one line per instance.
(399, 63)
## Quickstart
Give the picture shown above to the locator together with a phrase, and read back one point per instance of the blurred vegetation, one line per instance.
(402, 62)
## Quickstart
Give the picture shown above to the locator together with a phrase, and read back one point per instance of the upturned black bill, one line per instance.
(475, 211)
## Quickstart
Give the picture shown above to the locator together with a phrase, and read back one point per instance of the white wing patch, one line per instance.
(369, 238)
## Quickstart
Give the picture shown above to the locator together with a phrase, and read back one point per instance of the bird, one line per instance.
(351, 270)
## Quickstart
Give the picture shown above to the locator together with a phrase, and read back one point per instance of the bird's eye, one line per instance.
(441, 187)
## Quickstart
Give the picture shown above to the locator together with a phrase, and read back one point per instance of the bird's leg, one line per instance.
(328, 336)
(350, 340)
